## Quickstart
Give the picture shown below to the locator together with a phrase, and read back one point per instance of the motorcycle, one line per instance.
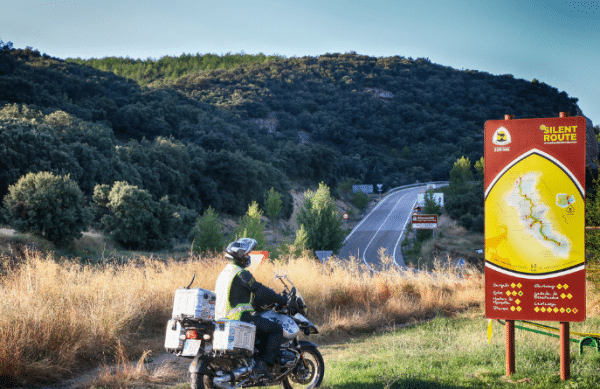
(223, 352)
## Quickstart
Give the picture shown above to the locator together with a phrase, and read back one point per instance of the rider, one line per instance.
(236, 289)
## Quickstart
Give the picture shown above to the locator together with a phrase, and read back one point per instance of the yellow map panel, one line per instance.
(533, 219)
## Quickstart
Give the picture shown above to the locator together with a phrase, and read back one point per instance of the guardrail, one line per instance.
(417, 185)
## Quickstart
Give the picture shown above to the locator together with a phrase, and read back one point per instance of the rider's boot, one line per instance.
(263, 370)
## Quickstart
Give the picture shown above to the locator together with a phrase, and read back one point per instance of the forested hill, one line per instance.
(222, 130)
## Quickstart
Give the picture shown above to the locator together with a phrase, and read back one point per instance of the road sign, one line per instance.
(362, 188)
(323, 255)
(345, 216)
(534, 219)
(258, 257)
(438, 198)
(428, 222)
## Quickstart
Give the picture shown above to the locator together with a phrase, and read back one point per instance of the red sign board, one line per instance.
(535, 219)
(424, 221)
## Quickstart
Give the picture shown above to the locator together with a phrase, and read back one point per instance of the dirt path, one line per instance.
(159, 372)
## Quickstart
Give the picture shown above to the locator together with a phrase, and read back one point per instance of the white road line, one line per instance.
(380, 227)
(365, 218)
(400, 238)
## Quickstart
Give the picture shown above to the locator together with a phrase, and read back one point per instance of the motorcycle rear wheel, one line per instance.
(309, 372)
(196, 381)
(200, 381)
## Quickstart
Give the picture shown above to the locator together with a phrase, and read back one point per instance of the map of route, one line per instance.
(533, 214)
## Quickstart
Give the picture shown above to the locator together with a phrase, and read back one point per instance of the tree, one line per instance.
(360, 200)
(301, 241)
(322, 221)
(252, 226)
(208, 233)
(47, 205)
(461, 174)
(465, 198)
(479, 166)
(273, 203)
(431, 207)
(592, 218)
(133, 218)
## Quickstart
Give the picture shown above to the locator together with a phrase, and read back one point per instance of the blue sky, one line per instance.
(557, 42)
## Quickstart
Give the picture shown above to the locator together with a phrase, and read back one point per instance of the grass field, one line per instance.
(454, 353)
(58, 315)
(394, 328)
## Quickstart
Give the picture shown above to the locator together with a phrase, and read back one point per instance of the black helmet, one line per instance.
(238, 251)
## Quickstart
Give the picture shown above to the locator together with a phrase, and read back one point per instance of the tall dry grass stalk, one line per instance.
(57, 316)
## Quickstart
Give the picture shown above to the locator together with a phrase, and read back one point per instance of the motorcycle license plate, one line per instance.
(191, 347)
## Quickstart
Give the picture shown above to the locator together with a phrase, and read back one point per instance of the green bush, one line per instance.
(133, 219)
(464, 201)
(321, 220)
(208, 233)
(252, 226)
(360, 200)
(273, 203)
(47, 205)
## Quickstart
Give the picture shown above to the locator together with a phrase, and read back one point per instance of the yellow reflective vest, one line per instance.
(223, 308)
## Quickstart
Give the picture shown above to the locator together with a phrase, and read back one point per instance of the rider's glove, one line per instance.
(293, 305)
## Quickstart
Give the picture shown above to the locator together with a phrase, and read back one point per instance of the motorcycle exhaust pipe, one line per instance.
(228, 380)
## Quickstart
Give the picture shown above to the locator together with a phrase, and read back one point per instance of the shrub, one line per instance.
(321, 220)
(360, 200)
(208, 233)
(273, 203)
(47, 205)
(252, 226)
(133, 218)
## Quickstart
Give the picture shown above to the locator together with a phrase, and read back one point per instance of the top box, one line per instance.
(198, 304)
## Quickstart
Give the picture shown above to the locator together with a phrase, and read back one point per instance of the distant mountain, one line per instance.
(222, 130)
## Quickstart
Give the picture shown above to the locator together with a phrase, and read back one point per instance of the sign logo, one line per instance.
(559, 134)
(501, 137)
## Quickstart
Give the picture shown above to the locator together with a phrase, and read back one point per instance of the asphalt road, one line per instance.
(383, 227)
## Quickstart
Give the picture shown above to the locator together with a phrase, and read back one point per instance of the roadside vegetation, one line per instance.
(58, 315)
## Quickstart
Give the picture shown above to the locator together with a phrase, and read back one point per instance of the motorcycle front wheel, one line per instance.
(309, 371)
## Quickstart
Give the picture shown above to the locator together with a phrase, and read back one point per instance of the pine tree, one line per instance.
(208, 233)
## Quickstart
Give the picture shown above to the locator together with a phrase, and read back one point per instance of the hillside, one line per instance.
(221, 131)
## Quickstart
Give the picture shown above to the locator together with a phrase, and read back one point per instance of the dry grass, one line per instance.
(452, 241)
(57, 316)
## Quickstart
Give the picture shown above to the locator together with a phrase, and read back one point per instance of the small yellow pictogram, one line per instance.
(520, 293)
(537, 309)
(562, 310)
(512, 309)
(555, 310)
(508, 292)
(570, 296)
(519, 285)
(518, 301)
(566, 286)
(562, 296)
(543, 309)
(559, 286)
(514, 293)
(519, 309)
(575, 310)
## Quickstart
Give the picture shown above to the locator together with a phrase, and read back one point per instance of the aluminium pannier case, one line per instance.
(198, 304)
(175, 337)
(232, 336)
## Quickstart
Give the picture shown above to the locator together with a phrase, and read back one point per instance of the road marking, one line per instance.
(380, 227)
(400, 238)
